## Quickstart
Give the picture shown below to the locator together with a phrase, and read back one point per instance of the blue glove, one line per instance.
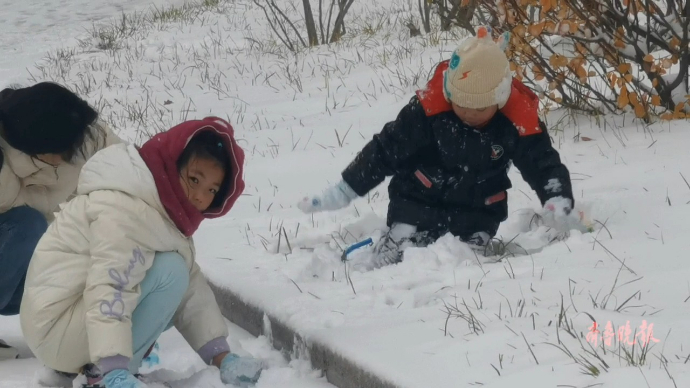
(121, 378)
(240, 371)
(333, 198)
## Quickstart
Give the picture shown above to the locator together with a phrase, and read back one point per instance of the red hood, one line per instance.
(522, 106)
(160, 154)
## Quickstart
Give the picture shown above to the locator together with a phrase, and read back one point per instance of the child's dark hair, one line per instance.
(209, 145)
(47, 118)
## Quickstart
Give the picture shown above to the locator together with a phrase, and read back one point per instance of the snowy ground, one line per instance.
(179, 366)
(29, 28)
(442, 318)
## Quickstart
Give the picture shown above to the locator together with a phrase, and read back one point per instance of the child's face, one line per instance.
(52, 159)
(475, 117)
(201, 179)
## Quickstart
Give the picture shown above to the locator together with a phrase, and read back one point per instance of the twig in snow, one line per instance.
(686, 181)
(293, 282)
(615, 257)
(603, 225)
(287, 240)
(530, 348)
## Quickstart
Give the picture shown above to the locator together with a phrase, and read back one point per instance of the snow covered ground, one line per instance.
(180, 366)
(30, 28)
(443, 317)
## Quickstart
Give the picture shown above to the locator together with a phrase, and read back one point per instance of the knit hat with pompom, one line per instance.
(479, 73)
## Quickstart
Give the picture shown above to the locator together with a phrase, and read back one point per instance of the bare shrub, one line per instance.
(603, 56)
(328, 27)
(459, 13)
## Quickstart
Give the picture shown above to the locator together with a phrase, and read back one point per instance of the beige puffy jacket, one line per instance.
(72, 305)
(29, 181)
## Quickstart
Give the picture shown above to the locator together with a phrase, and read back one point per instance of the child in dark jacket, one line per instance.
(449, 152)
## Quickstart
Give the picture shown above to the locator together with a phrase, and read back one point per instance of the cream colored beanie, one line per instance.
(479, 74)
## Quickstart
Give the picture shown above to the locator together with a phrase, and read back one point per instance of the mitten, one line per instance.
(333, 198)
(121, 378)
(559, 206)
(558, 215)
(240, 371)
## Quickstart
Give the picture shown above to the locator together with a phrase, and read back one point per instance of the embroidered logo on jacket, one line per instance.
(496, 152)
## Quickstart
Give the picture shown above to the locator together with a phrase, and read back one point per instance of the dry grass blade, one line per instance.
(530, 348)
(615, 257)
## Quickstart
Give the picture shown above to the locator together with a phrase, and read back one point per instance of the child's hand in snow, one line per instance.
(558, 215)
(333, 198)
(559, 206)
(240, 371)
(121, 378)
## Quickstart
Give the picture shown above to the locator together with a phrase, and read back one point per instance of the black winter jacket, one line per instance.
(448, 176)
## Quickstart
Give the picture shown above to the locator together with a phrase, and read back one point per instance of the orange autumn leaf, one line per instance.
(674, 43)
(648, 58)
(562, 13)
(640, 111)
(581, 73)
(519, 30)
(545, 5)
(580, 48)
(628, 78)
(557, 60)
(678, 109)
(578, 61)
(623, 99)
(634, 101)
(550, 26)
(666, 116)
(535, 29)
(624, 68)
(614, 80)
(538, 73)
(652, 10)
(656, 100)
